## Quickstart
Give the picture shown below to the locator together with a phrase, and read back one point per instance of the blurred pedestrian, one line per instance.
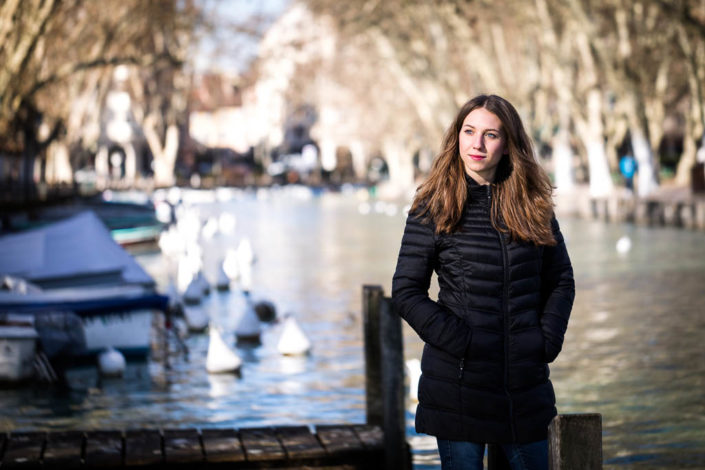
(627, 165)
(484, 221)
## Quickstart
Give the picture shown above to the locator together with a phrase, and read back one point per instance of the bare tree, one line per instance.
(58, 54)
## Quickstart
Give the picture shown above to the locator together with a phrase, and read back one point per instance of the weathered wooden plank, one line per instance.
(23, 450)
(339, 439)
(182, 446)
(222, 445)
(103, 449)
(575, 442)
(63, 449)
(371, 437)
(261, 444)
(299, 443)
(143, 447)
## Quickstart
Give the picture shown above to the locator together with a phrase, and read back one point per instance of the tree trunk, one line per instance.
(600, 179)
(58, 165)
(646, 178)
(563, 153)
(164, 155)
(688, 157)
(401, 167)
(646, 170)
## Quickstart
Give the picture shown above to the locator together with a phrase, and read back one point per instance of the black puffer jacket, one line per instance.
(501, 316)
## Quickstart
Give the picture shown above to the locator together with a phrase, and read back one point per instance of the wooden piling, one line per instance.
(384, 374)
(371, 301)
(393, 396)
(575, 442)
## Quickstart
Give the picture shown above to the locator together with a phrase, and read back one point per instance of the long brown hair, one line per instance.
(522, 190)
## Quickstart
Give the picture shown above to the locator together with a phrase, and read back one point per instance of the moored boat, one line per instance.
(75, 265)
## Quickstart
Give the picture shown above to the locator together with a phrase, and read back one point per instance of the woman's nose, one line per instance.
(477, 142)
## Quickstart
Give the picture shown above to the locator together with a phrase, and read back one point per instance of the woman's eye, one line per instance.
(492, 135)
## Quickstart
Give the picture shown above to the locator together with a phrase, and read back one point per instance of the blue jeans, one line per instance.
(459, 455)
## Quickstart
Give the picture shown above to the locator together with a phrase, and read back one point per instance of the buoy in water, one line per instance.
(203, 282)
(221, 359)
(248, 329)
(111, 363)
(193, 293)
(293, 341)
(624, 244)
(265, 310)
(196, 318)
(222, 283)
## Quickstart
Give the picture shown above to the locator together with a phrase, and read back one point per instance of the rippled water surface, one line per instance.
(634, 351)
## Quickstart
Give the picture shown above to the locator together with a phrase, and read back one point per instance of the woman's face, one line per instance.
(482, 143)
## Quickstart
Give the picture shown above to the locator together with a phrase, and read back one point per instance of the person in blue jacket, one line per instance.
(627, 165)
(483, 220)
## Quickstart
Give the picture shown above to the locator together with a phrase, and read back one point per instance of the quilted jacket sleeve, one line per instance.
(558, 292)
(434, 324)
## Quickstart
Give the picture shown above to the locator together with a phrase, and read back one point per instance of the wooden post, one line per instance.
(371, 299)
(396, 454)
(384, 374)
(575, 442)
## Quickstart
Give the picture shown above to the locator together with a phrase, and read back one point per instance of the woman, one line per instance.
(484, 222)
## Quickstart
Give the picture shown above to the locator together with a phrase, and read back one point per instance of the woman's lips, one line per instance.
(477, 158)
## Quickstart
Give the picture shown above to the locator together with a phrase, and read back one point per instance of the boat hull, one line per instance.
(128, 332)
(18, 346)
(118, 317)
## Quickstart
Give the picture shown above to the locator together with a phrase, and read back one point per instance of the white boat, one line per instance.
(18, 342)
(119, 316)
(78, 267)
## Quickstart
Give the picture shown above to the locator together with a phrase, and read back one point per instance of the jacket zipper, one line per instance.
(505, 316)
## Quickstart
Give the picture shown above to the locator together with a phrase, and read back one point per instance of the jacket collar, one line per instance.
(476, 189)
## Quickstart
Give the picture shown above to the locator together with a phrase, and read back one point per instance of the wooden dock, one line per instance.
(356, 446)
(575, 441)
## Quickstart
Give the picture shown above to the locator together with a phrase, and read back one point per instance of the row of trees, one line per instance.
(56, 65)
(585, 74)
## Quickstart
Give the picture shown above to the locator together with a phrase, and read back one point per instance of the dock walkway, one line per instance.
(356, 446)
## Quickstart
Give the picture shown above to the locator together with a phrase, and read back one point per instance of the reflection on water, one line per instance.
(634, 351)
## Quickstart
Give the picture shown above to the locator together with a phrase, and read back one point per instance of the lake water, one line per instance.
(634, 350)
